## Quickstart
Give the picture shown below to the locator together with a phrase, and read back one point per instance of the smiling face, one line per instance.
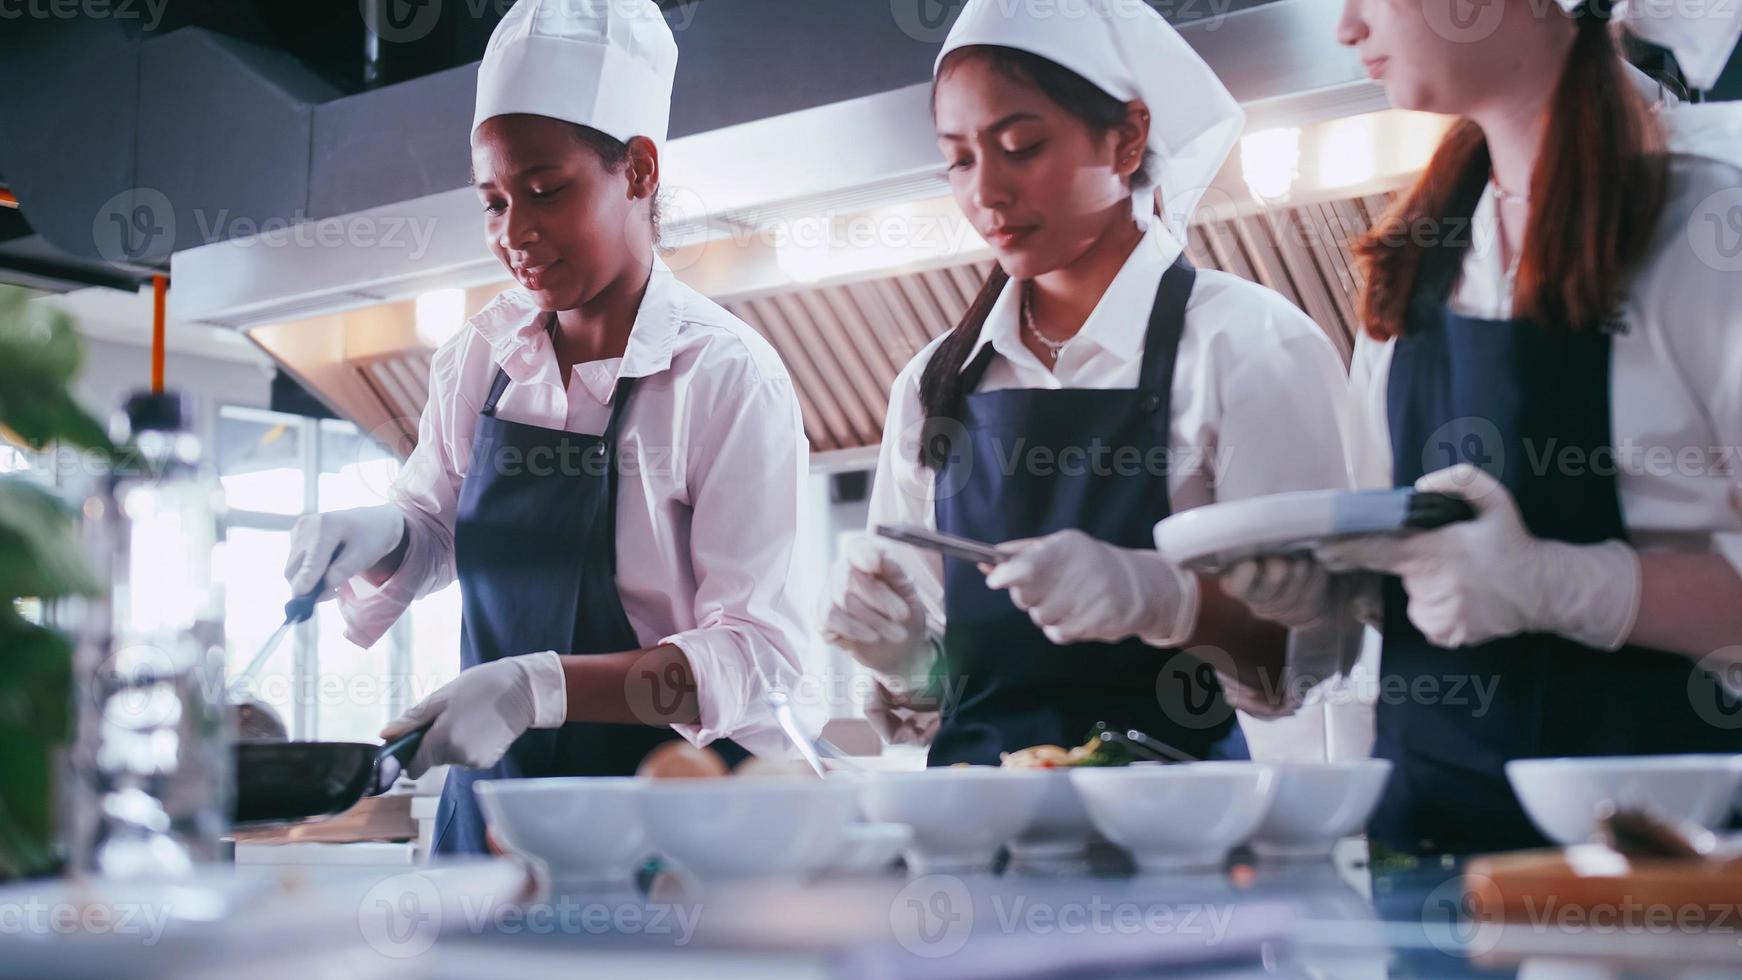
(1455, 56)
(1040, 184)
(563, 221)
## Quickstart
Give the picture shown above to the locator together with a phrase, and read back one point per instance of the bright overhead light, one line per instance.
(440, 314)
(1270, 161)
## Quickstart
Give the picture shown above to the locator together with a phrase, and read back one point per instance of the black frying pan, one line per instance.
(283, 782)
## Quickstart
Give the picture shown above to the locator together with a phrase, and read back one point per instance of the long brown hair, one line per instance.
(940, 384)
(1596, 193)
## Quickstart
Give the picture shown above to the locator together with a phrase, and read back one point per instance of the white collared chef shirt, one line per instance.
(1256, 409)
(706, 518)
(1675, 369)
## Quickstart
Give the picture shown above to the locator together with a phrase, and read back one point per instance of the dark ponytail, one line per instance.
(1596, 194)
(940, 384)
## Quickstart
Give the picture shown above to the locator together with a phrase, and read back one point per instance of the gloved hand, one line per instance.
(478, 715)
(366, 535)
(1298, 591)
(875, 613)
(1078, 589)
(1487, 578)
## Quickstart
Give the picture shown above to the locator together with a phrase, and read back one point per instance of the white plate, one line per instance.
(1215, 535)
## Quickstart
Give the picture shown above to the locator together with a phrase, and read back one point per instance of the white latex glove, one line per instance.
(478, 715)
(1291, 590)
(366, 535)
(1078, 589)
(1487, 578)
(1298, 591)
(875, 614)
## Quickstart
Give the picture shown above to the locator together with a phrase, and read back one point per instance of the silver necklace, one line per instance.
(1505, 196)
(1053, 347)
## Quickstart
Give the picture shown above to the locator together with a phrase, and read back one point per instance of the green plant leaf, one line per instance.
(36, 340)
(35, 720)
(39, 553)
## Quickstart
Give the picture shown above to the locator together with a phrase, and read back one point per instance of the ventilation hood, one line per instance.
(762, 216)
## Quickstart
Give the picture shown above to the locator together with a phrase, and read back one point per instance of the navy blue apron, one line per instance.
(1024, 464)
(535, 546)
(1507, 395)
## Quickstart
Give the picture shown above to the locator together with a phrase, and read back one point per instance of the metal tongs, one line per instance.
(1637, 832)
(1144, 748)
(814, 750)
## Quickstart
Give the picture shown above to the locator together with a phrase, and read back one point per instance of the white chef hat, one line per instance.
(1128, 51)
(1701, 35)
(607, 64)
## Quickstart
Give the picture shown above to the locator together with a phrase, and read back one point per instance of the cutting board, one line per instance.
(1514, 887)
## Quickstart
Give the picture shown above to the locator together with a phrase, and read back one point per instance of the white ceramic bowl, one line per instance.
(582, 829)
(1562, 795)
(960, 817)
(722, 829)
(1060, 829)
(1180, 817)
(1317, 804)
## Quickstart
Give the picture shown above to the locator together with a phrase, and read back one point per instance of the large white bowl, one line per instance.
(1317, 804)
(1179, 817)
(1562, 795)
(960, 817)
(582, 829)
(1060, 830)
(721, 829)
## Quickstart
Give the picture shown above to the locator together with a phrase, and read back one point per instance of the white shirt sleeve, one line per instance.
(748, 462)
(1280, 395)
(427, 494)
(903, 492)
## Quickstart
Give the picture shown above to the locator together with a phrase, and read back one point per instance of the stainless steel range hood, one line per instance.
(333, 301)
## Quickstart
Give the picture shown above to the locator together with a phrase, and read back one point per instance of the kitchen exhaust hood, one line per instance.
(831, 231)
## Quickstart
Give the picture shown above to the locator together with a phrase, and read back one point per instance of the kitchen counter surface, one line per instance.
(1317, 919)
(478, 918)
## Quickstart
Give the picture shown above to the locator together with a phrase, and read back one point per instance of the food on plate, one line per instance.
(678, 759)
(1094, 752)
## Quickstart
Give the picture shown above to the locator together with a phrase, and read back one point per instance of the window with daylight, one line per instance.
(275, 467)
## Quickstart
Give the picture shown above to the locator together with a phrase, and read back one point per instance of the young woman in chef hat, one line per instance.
(1096, 384)
(609, 462)
(1573, 365)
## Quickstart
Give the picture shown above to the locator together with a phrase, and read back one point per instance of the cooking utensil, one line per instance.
(782, 708)
(281, 782)
(297, 610)
(1144, 747)
(978, 552)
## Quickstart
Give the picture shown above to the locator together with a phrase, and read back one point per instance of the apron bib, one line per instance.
(1031, 462)
(535, 548)
(1512, 397)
